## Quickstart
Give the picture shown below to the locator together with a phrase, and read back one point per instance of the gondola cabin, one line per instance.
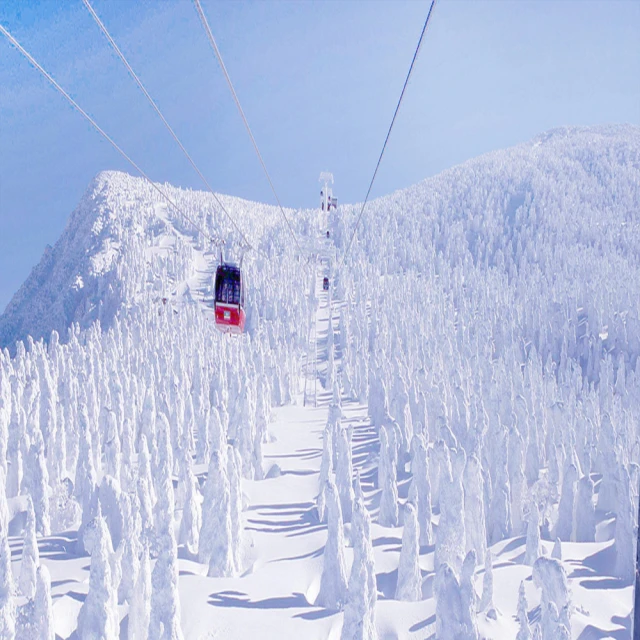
(229, 299)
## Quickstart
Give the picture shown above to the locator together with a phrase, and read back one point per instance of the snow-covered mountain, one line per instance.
(563, 207)
(408, 447)
(125, 245)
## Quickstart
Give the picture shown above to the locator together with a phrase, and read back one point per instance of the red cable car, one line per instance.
(229, 299)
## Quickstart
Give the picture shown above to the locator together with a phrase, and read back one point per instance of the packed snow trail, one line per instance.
(284, 559)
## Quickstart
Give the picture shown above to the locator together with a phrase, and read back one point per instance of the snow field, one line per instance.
(477, 359)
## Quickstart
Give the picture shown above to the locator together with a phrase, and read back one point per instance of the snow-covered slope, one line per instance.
(123, 245)
(475, 370)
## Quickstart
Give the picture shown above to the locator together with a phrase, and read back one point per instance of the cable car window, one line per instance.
(228, 288)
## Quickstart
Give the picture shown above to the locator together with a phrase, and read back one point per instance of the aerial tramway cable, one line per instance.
(384, 146)
(164, 120)
(101, 131)
(212, 41)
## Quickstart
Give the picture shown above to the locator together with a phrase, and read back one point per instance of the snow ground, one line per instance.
(274, 596)
(488, 308)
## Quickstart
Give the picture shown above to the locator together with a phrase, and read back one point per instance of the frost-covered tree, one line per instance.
(215, 547)
(449, 607)
(98, 617)
(420, 491)
(30, 555)
(625, 533)
(468, 597)
(37, 482)
(359, 611)
(7, 604)
(43, 626)
(564, 524)
(112, 447)
(165, 499)
(325, 469)
(128, 452)
(110, 497)
(409, 586)
(216, 434)
(486, 599)
(145, 492)
(164, 615)
(387, 480)
(450, 536)
(191, 520)
(234, 465)
(474, 522)
(524, 630)
(140, 604)
(130, 547)
(585, 518)
(532, 551)
(549, 575)
(344, 472)
(333, 584)
(499, 525)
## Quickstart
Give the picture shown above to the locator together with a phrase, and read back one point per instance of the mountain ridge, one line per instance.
(80, 279)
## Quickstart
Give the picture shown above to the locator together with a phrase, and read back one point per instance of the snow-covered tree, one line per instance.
(564, 525)
(486, 599)
(387, 481)
(468, 597)
(344, 472)
(234, 465)
(37, 481)
(449, 616)
(474, 522)
(140, 604)
(625, 530)
(409, 586)
(325, 469)
(333, 584)
(112, 447)
(524, 630)
(43, 626)
(585, 518)
(7, 604)
(359, 611)
(420, 491)
(164, 615)
(30, 555)
(130, 547)
(145, 492)
(532, 551)
(549, 575)
(191, 520)
(450, 536)
(98, 617)
(216, 547)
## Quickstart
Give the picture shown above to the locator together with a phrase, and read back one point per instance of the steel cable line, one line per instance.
(101, 131)
(384, 146)
(212, 41)
(164, 120)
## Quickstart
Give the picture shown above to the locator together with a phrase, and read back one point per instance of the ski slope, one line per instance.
(485, 313)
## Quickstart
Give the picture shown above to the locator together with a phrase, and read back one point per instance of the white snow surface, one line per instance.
(486, 324)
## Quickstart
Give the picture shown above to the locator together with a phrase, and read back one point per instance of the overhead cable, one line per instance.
(137, 80)
(212, 41)
(384, 146)
(101, 131)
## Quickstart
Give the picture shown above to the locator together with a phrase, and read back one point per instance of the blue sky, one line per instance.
(318, 82)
